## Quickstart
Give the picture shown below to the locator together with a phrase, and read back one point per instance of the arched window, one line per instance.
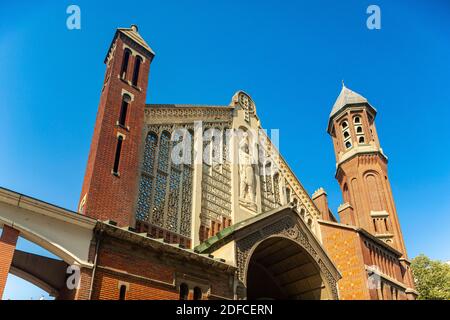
(346, 134)
(184, 291)
(186, 189)
(361, 140)
(295, 201)
(348, 144)
(302, 212)
(149, 153)
(268, 179)
(122, 292)
(117, 156)
(137, 66)
(276, 188)
(288, 195)
(357, 119)
(147, 178)
(375, 193)
(165, 189)
(359, 129)
(126, 59)
(172, 218)
(344, 124)
(161, 180)
(197, 293)
(346, 193)
(124, 109)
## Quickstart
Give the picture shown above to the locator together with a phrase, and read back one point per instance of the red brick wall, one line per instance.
(8, 242)
(110, 197)
(137, 264)
(344, 248)
(150, 274)
(106, 287)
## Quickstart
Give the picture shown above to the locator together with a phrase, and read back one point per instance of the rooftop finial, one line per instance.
(343, 84)
(134, 27)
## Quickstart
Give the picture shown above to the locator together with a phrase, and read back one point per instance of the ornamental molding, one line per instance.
(288, 228)
(193, 114)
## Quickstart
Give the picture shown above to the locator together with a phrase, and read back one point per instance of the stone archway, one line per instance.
(254, 246)
(313, 275)
(279, 268)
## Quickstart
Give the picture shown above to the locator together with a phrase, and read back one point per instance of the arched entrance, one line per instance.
(279, 268)
(277, 257)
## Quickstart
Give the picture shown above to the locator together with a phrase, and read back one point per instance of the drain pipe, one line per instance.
(97, 246)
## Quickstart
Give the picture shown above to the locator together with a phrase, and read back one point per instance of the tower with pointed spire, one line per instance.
(361, 169)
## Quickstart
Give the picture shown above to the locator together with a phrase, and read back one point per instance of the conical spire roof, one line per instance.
(346, 97)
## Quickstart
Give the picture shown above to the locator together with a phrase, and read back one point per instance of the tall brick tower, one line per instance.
(361, 169)
(111, 179)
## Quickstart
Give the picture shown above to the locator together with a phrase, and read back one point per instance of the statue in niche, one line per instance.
(246, 173)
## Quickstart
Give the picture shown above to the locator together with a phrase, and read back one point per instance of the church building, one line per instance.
(185, 201)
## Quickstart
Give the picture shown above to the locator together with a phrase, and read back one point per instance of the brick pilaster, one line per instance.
(8, 242)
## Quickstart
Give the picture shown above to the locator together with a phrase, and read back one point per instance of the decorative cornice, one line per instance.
(185, 114)
(344, 206)
(318, 193)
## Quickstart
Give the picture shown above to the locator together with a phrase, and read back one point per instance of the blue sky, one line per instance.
(290, 57)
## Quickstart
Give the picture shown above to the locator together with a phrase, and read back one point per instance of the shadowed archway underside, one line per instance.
(281, 269)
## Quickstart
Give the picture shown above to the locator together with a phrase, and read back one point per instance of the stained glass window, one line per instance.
(163, 160)
(146, 184)
(145, 189)
(165, 189)
(159, 200)
(174, 190)
(149, 153)
(186, 204)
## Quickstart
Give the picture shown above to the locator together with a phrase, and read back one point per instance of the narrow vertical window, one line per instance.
(386, 224)
(124, 109)
(288, 195)
(117, 157)
(346, 193)
(197, 293)
(122, 292)
(126, 59)
(137, 66)
(184, 291)
(276, 188)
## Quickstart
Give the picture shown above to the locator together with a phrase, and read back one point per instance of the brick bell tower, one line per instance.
(361, 169)
(111, 179)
